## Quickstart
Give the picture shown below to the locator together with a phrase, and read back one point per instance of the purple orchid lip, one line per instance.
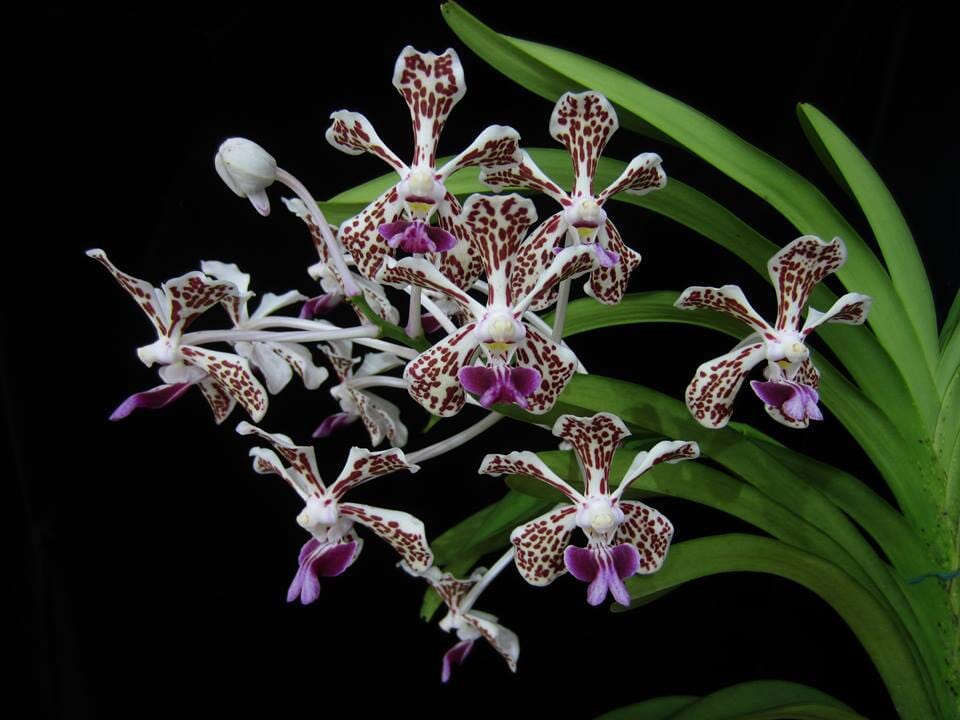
(319, 306)
(501, 384)
(416, 237)
(455, 656)
(421, 199)
(318, 560)
(334, 422)
(796, 401)
(605, 569)
(157, 397)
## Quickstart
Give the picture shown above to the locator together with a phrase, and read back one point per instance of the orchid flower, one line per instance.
(381, 418)
(583, 123)
(223, 378)
(329, 276)
(624, 537)
(431, 85)
(334, 544)
(469, 624)
(438, 376)
(276, 361)
(790, 392)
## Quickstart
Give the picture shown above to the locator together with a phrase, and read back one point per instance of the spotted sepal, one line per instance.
(495, 147)
(643, 175)
(728, 299)
(360, 237)
(302, 460)
(363, 465)
(298, 359)
(608, 284)
(339, 356)
(666, 451)
(850, 309)
(432, 376)
(540, 544)
(594, 440)
(497, 226)
(402, 531)
(179, 302)
(527, 463)
(715, 384)
(420, 272)
(583, 123)
(569, 263)
(648, 530)
(236, 303)
(232, 373)
(525, 174)
(807, 374)
(503, 640)
(431, 85)
(461, 264)
(533, 258)
(266, 462)
(221, 402)
(381, 419)
(555, 364)
(796, 269)
(352, 133)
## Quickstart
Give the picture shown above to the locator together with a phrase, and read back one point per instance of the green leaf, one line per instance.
(889, 227)
(661, 708)
(950, 343)
(880, 634)
(799, 201)
(767, 699)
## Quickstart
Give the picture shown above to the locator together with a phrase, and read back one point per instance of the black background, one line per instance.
(149, 564)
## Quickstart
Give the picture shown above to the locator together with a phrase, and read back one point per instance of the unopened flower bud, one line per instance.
(248, 170)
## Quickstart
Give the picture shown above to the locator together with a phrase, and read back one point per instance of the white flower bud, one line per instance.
(248, 170)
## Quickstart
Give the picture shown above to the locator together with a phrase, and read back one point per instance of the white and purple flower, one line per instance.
(583, 123)
(223, 378)
(790, 391)
(431, 85)
(380, 417)
(624, 537)
(334, 544)
(521, 365)
(469, 624)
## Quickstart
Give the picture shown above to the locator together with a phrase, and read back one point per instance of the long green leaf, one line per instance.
(889, 227)
(763, 699)
(661, 708)
(951, 321)
(881, 636)
(799, 201)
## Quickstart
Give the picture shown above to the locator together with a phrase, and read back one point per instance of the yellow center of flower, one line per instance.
(783, 363)
(420, 208)
(584, 232)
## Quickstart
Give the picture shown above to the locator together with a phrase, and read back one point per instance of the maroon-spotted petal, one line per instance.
(334, 422)
(556, 365)
(583, 122)
(595, 440)
(359, 234)
(431, 85)
(525, 174)
(715, 384)
(433, 376)
(400, 530)
(157, 397)
(616, 261)
(728, 299)
(539, 545)
(647, 530)
(527, 463)
(455, 656)
(319, 560)
(796, 269)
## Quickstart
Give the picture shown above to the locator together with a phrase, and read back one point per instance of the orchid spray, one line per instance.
(460, 295)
